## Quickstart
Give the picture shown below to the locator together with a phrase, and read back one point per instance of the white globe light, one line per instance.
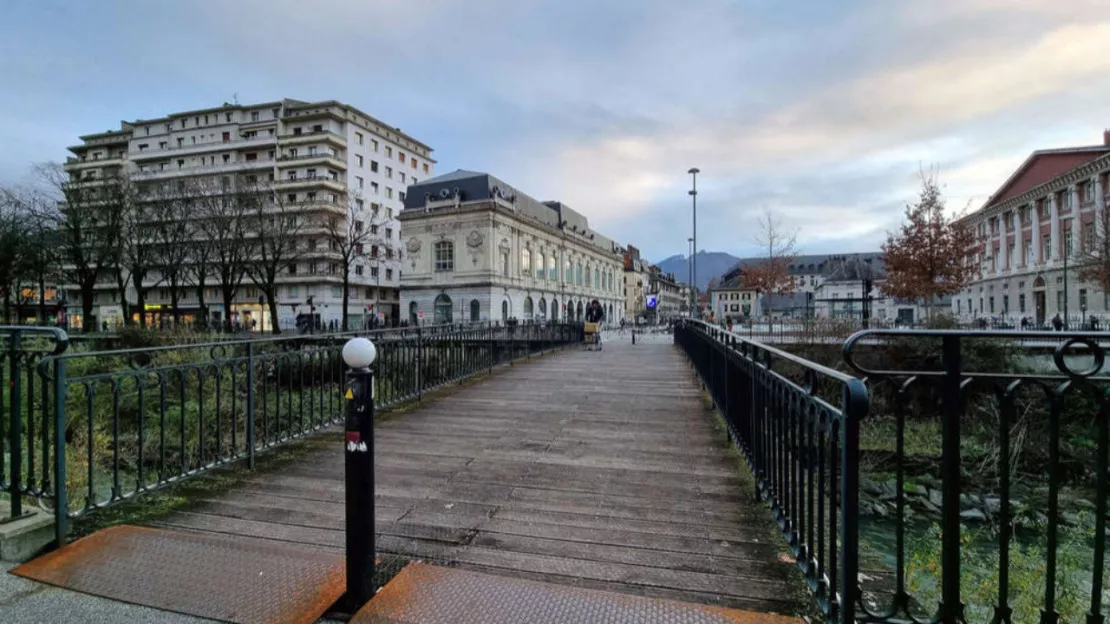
(359, 353)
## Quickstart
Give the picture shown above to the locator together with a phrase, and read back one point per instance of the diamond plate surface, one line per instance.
(426, 594)
(229, 579)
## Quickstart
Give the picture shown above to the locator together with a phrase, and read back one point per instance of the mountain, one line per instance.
(711, 264)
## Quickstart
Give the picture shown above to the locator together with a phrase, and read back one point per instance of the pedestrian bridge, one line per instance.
(696, 477)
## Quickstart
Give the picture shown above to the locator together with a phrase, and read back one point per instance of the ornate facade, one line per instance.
(478, 250)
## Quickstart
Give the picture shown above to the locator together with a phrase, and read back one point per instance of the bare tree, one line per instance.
(1093, 257)
(88, 229)
(223, 215)
(359, 240)
(275, 227)
(778, 245)
(170, 211)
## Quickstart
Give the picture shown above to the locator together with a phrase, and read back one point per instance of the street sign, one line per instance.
(650, 301)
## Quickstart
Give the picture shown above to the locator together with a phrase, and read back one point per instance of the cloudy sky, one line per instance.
(822, 111)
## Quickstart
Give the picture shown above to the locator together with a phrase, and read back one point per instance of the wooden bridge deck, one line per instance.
(601, 470)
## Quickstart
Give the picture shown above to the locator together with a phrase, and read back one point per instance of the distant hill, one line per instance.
(711, 264)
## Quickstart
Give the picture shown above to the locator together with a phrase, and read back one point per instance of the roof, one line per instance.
(466, 186)
(1042, 166)
(813, 264)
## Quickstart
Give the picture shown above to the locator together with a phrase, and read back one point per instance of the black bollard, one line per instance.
(633, 336)
(359, 354)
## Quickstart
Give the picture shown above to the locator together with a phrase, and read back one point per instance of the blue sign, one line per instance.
(650, 301)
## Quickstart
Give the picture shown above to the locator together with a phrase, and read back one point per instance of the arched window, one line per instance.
(539, 265)
(445, 256)
(587, 275)
(554, 309)
(475, 311)
(597, 278)
(413, 318)
(609, 316)
(578, 315)
(525, 261)
(569, 278)
(552, 272)
(444, 313)
(543, 307)
(505, 310)
(527, 308)
(578, 274)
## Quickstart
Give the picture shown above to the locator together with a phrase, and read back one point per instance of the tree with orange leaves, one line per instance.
(928, 258)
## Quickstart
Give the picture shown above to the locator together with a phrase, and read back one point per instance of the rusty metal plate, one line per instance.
(220, 578)
(426, 594)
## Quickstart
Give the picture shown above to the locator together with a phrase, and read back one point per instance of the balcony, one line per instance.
(196, 148)
(314, 135)
(324, 158)
(338, 183)
(222, 167)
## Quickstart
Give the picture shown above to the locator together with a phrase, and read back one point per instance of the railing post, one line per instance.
(250, 406)
(61, 500)
(15, 430)
(951, 607)
(359, 354)
(854, 410)
(419, 364)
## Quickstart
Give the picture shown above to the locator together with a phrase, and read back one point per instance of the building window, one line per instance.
(1005, 304)
(374, 144)
(388, 193)
(388, 151)
(504, 263)
(543, 308)
(597, 278)
(445, 256)
(568, 278)
(475, 311)
(525, 261)
(374, 166)
(359, 181)
(587, 276)
(413, 162)
(1021, 304)
(504, 311)
(1082, 298)
(358, 159)
(552, 272)
(578, 274)
(389, 272)
(425, 167)
(374, 188)
(443, 311)
(401, 157)
(527, 308)
(389, 172)
(539, 265)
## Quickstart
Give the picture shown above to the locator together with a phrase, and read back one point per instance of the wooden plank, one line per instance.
(595, 469)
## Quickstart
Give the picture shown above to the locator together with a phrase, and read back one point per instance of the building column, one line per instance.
(1100, 211)
(1038, 246)
(1076, 220)
(1054, 228)
(1019, 239)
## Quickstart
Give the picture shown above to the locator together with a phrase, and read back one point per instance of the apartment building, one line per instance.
(636, 280)
(670, 296)
(476, 249)
(1031, 235)
(327, 159)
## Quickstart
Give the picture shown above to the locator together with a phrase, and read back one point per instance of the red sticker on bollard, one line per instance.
(354, 436)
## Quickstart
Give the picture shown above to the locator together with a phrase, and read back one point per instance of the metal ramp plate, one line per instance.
(220, 578)
(426, 594)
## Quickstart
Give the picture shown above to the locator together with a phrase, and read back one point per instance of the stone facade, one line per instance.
(477, 250)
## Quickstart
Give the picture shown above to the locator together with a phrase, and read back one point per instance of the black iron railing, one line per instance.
(90, 429)
(982, 480)
(797, 424)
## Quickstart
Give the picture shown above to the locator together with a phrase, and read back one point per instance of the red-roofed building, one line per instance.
(1046, 209)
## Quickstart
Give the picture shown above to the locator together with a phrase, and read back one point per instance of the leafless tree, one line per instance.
(275, 226)
(88, 225)
(1093, 256)
(778, 245)
(223, 216)
(359, 239)
(170, 210)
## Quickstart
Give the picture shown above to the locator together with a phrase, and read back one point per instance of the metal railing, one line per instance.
(91, 429)
(797, 424)
(988, 420)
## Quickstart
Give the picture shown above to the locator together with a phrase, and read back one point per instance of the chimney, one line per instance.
(1106, 138)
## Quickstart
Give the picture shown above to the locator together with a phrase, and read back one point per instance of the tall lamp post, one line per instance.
(690, 278)
(694, 171)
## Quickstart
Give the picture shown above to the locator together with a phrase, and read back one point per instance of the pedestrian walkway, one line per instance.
(594, 470)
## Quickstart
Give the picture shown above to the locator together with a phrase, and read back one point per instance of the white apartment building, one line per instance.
(1030, 234)
(323, 157)
(477, 249)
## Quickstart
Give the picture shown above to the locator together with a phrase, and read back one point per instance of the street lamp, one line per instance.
(694, 171)
(690, 278)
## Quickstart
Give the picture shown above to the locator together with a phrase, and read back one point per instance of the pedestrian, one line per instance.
(1057, 322)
